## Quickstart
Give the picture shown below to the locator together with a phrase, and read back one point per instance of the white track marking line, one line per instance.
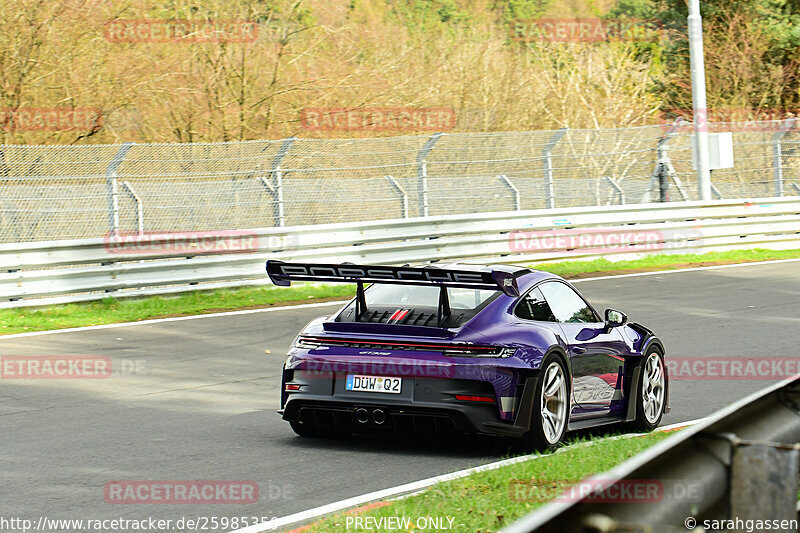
(171, 319)
(679, 425)
(691, 269)
(323, 304)
(416, 487)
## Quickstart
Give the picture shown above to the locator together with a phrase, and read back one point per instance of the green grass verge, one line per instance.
(486, 501)
(113, 310)
(665, 261)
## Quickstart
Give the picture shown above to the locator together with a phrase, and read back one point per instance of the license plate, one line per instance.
(373, 384)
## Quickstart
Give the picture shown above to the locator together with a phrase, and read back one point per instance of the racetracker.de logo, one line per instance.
(591, 490)
(733, 119)
(595, 241)
(732, 368)
(588, 30)
(181, 31)
(395, 367)
(54, 367)
(51, 119)
(181, 492)
(190, 242)
(378, 119)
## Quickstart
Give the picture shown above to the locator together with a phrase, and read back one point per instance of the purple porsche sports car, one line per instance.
(498, 350)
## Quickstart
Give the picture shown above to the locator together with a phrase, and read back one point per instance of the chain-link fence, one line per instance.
(70, 192)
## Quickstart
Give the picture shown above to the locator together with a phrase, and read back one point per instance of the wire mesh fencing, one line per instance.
(73, 192)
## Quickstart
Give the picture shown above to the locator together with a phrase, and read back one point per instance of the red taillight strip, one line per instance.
(291, 387)
(466, 398)
(448, 347)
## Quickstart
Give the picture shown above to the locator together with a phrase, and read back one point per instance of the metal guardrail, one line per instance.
(743, 462)
(41, 273)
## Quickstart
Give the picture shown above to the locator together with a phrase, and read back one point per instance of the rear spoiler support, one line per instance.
(361, 301)
(443, 311)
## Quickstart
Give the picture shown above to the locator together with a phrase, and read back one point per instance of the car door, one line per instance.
(595, 353)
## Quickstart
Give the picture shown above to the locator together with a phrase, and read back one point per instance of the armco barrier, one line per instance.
(739, 470)
(40, 273)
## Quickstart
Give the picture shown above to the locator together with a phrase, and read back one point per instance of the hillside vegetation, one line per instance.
(455, 54)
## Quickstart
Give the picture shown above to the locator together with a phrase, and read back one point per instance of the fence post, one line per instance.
(777, 155)
(403, 196)
(276, 188)
(139, 207)
(112, 188)
(549, 194)
(664, 169)
(422, 173)
(617, 188)
(514, 191)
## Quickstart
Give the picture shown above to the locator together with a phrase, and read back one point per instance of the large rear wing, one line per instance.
(283, 274)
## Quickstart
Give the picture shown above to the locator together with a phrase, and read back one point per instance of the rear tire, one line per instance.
(551, 407)
(652, 393)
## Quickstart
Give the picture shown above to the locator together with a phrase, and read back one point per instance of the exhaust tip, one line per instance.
(362, 415)
(379, 416)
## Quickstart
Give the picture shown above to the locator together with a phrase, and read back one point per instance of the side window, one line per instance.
(533, 306)
(566, 304)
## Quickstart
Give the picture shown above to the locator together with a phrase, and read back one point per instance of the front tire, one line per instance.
(652, 393)
(550, 408)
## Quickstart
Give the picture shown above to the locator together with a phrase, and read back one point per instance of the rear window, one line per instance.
(418, 304)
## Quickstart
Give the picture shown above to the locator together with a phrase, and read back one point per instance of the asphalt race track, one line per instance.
(196, 399)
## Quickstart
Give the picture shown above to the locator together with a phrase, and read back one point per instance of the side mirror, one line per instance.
(615, 318)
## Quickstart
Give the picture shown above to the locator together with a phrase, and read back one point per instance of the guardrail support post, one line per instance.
(113, 188)
(514, 191)
(276, 187)
(549, 193)
(422, 173)
(777, 155)
(617, 188)
(764, 478)
(139, 208)
(403, 196)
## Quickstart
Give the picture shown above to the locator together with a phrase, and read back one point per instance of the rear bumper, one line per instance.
(425, 405)
(394, 418)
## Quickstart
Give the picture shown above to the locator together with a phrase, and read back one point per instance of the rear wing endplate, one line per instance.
(283, 274)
